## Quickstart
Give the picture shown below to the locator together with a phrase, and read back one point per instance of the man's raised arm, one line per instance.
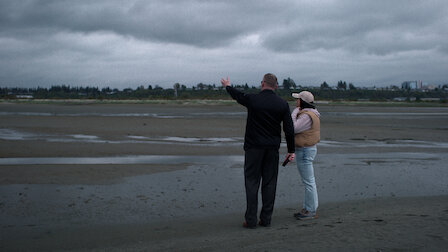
(240, 97)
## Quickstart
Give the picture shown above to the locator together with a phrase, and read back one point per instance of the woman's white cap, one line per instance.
(305, 96)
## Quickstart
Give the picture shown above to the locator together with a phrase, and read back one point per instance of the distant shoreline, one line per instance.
(202, 102)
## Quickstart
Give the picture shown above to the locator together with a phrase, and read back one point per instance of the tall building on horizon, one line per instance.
(412, 85)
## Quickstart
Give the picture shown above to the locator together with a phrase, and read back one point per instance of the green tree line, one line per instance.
(342, 91)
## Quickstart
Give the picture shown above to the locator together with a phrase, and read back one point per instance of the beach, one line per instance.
(157, 177)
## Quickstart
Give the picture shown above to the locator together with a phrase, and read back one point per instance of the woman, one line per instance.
(307, 134)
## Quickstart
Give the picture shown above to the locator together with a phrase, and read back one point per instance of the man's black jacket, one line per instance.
(265, 113)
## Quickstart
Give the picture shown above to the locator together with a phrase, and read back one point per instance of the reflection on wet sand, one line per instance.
(148, 159)
(176, 159)
(15, 135)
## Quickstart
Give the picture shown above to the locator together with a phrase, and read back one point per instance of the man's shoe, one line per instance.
(245, 225)
(306, 215)
(264, 224)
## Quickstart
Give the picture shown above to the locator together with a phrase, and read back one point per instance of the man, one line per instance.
(265, 114)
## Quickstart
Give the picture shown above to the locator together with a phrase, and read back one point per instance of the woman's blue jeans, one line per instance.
(304, 158)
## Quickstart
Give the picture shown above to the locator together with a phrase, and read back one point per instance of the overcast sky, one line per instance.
(160, 42)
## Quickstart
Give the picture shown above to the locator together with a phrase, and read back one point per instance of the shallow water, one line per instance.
(157, 159)
(389, 114)
(16, 135)
(146, 159)
(154, 115)
(173, 113)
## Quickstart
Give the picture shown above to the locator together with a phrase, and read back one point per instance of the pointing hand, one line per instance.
(225, 82)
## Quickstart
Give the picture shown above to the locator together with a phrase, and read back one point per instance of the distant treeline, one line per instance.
(204, 91)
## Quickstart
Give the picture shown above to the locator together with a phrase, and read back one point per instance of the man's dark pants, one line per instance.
(260, 164)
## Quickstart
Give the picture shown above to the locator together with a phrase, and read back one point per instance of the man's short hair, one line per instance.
(270, 80)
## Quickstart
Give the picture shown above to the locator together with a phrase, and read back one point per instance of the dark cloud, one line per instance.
(198, 23)
(122, 41)
(376, 27)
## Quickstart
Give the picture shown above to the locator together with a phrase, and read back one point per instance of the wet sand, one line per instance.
(394, 224)
(382, 177)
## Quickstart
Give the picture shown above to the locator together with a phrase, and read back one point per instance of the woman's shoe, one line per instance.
(303, 211)
(306, 215)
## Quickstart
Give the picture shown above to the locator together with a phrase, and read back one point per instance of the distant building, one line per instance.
(412, 85)
(429, 87)
(400, 99)
(24, 96)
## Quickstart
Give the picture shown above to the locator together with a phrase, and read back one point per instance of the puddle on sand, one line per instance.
(144, 159)
(387, 114)
(179, 159)
(154, 115)
(15, 135)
